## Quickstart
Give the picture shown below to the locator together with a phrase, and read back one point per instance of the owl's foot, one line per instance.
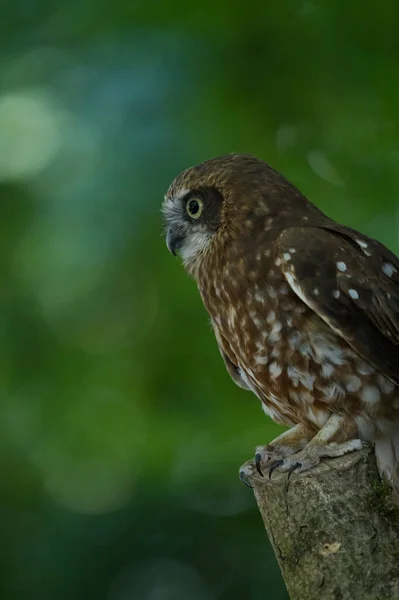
(272, 456)
(300, 449)
(312, 454)
(290, 442)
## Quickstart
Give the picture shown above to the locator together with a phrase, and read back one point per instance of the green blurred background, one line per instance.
(121, 433)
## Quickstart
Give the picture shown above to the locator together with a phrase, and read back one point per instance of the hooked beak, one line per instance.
(174, 241)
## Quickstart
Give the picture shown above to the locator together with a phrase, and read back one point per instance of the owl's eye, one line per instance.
(194, 207)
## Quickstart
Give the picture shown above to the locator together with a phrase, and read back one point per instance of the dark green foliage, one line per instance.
(121, 433)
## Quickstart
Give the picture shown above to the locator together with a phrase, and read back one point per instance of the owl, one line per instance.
(305, 311)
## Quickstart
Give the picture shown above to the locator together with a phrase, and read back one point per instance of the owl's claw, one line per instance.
(244, 479)
(258, 460)
(294, 467)
(245, 472)
(274, 466)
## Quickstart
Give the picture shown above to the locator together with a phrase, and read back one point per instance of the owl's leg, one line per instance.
(336, 438)
(286, 444)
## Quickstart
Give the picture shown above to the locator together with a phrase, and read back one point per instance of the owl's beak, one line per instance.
(174, 241)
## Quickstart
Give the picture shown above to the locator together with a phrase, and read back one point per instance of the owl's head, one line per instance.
(223, 201)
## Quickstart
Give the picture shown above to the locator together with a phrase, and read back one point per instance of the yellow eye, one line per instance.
(194, 207)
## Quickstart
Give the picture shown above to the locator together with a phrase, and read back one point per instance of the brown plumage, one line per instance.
(305, 311)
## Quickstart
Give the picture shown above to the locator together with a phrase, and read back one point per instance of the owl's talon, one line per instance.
(294, 467)
(244, 479)
(274, 466)
(258, 460)
(245, 472)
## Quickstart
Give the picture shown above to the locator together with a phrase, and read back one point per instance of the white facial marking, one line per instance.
(353, 294)
(195, 243)
(336, 294)
(389, 269)
(353, 384)
(370, 394)
(341, 266)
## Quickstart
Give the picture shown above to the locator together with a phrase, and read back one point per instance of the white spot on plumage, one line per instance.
(353, 384)
(353, 294)
(271, 317)
(336, 294)
(317, 416)
(362, 244)
(277, 262)
(274, 334)
(333, 392)
(275, 370)
(316, 292)
(370, 394)
(292, 250)
(305, 378)
(386, 386)
(261, 360)
(327, 370)
(286, 256)
(388, 269)
(365, 369)
(259, 297)
(267, 253)
(341, 266)
(294, 396)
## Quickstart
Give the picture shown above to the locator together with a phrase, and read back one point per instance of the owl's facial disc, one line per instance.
(192, 219)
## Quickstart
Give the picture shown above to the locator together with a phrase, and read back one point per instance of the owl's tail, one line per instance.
(387, 454)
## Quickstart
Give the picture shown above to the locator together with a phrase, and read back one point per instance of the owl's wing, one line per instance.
(352, 283)
(229, 359)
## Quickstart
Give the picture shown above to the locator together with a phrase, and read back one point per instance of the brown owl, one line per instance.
(305, 311)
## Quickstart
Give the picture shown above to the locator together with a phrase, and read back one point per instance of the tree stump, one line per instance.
(334, 529)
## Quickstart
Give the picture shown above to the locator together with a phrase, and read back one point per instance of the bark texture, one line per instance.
(334, 530)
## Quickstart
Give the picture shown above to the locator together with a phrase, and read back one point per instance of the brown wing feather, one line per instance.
(229, 359)
(352, 283)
